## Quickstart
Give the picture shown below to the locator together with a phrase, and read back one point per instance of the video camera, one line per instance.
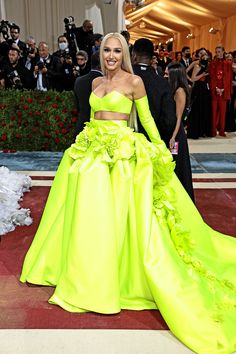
(15, 80)
(70, 29)
(4, 27)
(69, 23)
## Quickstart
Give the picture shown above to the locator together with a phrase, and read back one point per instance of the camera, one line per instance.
(29, 50)
(15, 80)
(40, 65)
(69, 20)
(70, 30)
(76, 71)
(4, 26)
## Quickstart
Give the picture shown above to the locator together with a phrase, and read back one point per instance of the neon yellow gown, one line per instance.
(120, 232)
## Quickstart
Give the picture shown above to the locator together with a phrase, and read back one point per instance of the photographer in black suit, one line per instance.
(14, 75)
(48, 70)
(15, 42)
(84, 38)
(82, 90)
(160, 100)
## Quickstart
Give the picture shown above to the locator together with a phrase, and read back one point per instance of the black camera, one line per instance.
(66, 54)
(15, 80)
(29, 50)
(76, 70)
(69, 20)
(40, 64)
(4, 26)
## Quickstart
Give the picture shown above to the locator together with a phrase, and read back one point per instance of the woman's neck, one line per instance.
(115, 75)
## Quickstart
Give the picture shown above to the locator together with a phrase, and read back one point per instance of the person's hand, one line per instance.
(172, 143)
(44, 70)
(36, 69)
(31, 55)
(14, 45)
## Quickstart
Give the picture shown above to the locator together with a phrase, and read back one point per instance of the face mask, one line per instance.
(63, 46)
(204, 61)
(187, 55)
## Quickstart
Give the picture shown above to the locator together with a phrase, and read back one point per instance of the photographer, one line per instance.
(15, 42)
(4, 47)
(85, 39)
(63, 51)
(70, 36)
(32, 54)
(65, 56)
(14, 75)
(48, 70)
(82, 67)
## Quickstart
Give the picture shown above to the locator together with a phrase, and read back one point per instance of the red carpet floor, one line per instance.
(23, 306)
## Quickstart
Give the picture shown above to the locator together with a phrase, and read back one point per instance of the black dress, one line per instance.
(230, 120)
(199, 118)
(182, 160)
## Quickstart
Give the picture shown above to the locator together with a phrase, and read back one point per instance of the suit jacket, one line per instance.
(82, 90)
(183, 62)
(214, 66)
(161, 102)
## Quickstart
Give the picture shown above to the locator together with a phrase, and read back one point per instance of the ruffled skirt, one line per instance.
(120, 232)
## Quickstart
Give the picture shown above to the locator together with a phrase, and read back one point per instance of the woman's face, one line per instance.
(202, 53)
(112, 54)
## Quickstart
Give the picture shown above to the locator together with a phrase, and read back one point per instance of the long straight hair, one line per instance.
(178, 78)
(125, 65)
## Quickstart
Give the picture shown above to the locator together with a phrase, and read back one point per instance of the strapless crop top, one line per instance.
(113, 101)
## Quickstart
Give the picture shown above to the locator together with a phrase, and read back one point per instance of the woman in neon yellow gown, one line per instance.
(120, 232)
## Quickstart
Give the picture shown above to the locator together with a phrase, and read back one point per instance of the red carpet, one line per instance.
(23, 306)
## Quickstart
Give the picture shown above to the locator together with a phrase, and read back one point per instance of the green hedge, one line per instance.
(36, 121)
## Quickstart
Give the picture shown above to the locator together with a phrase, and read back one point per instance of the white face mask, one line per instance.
(63, 46)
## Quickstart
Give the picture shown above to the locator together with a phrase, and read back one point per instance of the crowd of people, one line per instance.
(211, 78)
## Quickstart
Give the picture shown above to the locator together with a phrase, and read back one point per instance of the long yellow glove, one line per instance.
(146, 119)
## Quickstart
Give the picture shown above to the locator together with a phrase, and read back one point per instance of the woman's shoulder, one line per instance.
(135, 80)
(180, 92)
(138, 88)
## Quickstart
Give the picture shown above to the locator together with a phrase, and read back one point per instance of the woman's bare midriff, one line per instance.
(102, 115)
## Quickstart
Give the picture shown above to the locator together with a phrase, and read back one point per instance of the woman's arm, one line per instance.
(142, 106)
(195, 76)
(180, 100)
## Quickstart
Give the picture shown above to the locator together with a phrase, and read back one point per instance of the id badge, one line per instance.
(175, 149)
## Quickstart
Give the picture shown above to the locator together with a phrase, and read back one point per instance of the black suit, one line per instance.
(162, 107)
(82, 90)
(182, 61)
(161, 102)
(21, 45)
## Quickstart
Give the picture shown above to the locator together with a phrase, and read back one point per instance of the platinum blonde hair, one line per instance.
(125, 65)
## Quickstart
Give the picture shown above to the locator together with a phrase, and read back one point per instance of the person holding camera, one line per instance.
(15, 42)
(67, 60)
(84, 38)
(32, 56)
(14, 75)
(48, 70)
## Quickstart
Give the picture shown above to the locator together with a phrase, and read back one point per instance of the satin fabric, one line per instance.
(120, 232)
